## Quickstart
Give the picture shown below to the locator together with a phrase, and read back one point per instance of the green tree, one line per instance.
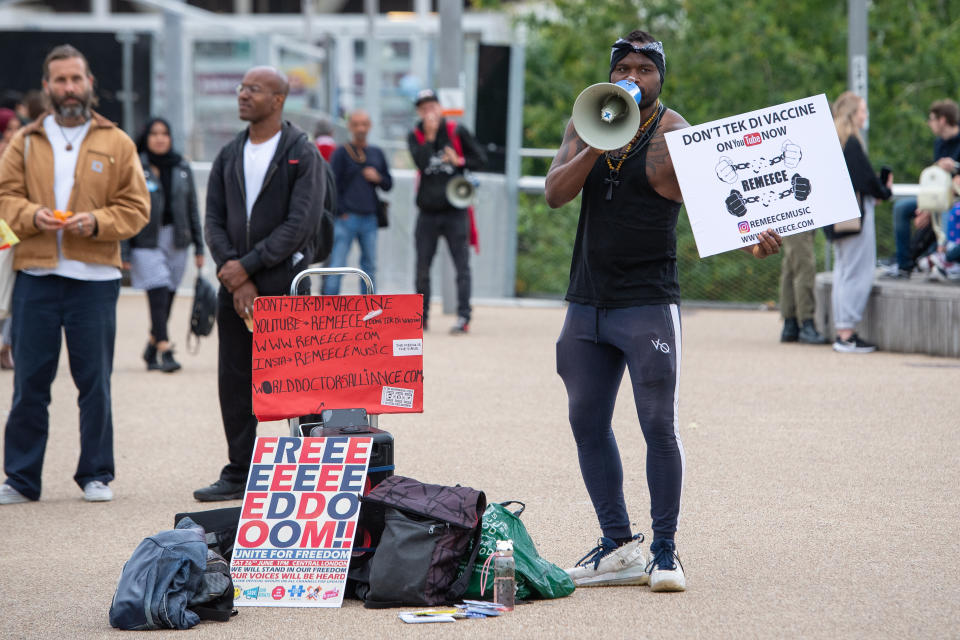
(725, 58)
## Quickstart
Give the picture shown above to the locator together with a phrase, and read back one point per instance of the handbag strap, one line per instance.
(459, 587)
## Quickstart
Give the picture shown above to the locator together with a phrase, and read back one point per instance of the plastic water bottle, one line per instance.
(504, 575)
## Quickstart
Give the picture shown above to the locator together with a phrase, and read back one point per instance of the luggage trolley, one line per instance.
(352, 423)
(301, 426)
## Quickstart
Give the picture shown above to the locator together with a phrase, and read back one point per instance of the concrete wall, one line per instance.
(493, 269)
(911, 316)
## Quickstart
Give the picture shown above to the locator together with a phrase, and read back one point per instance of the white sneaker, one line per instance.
(9, 495)
(96, 491)
(666, 572)
(607, 564)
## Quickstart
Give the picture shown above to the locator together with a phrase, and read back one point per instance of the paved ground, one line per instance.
(820, 497)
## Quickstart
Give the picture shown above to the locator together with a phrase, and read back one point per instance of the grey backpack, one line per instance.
(173, 581)
(428, 532)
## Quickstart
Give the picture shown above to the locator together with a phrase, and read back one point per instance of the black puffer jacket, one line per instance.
(183, 206)
(284, 216)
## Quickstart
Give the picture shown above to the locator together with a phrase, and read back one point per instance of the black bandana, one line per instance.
(653, 50)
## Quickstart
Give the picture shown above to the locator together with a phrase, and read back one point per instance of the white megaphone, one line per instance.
(461, 192)
(606, 115)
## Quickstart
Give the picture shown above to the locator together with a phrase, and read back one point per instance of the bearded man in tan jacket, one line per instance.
(71, 187)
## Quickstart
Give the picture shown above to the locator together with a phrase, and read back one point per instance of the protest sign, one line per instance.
(312, 353)
(777, 168)
(298, 521)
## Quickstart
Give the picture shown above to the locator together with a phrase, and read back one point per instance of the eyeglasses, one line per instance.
(251, 88)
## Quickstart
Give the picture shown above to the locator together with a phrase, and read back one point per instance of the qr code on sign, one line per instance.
(396, 397)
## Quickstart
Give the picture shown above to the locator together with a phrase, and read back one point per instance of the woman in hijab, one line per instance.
(157, 256)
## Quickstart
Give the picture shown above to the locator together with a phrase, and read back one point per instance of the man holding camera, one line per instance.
(442, 149)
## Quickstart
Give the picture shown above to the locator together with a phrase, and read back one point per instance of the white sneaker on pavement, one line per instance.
(666, 572)
(607, 564)
(9, 495)
(96, 491)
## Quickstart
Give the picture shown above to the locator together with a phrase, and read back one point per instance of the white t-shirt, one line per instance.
(256, 160)
(64, 170)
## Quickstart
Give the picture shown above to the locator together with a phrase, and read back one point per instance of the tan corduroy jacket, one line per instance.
(108, 182)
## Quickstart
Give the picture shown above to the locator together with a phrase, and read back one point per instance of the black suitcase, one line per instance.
(220, 526)
(370, 521)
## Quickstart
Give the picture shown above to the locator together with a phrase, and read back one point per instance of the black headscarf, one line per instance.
(653, 50)
(164, 163)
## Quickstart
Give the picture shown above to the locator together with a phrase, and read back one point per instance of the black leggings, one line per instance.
(594, 348)
(161, 302)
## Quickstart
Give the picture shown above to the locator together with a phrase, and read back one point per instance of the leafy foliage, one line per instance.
(725, 58)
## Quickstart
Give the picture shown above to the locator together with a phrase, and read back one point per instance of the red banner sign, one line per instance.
(312, 353)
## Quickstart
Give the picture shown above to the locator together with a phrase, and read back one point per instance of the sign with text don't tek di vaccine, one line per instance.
(777, 168)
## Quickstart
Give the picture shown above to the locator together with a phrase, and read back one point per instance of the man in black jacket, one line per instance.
(442, 151)
(261, 217)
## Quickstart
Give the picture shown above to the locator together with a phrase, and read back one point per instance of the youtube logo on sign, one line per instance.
(751, 139)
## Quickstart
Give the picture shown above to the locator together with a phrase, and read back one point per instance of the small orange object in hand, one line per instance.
(62, 215)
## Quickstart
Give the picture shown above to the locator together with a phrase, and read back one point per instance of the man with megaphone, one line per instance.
(442, 150)
(623, 306)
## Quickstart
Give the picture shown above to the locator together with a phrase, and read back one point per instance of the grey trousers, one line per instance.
(798, 271)
(855, 260)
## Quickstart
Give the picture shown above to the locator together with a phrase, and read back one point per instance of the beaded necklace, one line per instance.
(640, 140)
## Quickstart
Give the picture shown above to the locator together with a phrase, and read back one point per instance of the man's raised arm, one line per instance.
(570, 168)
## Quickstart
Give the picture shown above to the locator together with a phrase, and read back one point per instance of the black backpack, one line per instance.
(322, 242)
(204, 313)
(428, 532)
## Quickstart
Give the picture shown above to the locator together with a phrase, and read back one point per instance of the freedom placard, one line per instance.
(312, 353)
(777, 168)
(298, 520)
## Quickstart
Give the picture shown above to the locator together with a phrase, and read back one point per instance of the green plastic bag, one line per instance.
(536, 578)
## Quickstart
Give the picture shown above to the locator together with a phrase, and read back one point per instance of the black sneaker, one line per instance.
(666, 572)
(809, 334)
(220, 490)
(854, 344)
(167, 363)
(893, 272)
(790, 330)
(150, 357)
(462, 326)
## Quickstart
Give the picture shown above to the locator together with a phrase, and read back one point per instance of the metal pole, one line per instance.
(371, 98)
(449, 71)
(513, 161)
(450, 45)
(127, 95)
(174, 80)
(306, 6)
(857, 50)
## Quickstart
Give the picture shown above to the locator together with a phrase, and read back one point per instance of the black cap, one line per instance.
(425, 95)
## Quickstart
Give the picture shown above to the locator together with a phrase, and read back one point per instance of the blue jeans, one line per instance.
(87, 314)
(902, 216)
(363, 227)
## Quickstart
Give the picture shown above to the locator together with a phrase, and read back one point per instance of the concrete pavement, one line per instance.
(820, 495)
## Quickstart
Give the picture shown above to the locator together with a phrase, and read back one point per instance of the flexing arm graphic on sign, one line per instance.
(799, 187)
(790, 156)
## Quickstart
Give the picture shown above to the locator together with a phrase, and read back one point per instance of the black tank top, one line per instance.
(626, 248)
